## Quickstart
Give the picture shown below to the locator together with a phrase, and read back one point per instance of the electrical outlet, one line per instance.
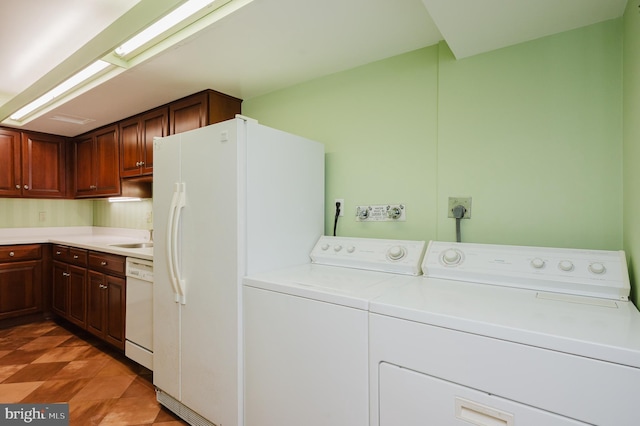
(341, 201)
(460, 201)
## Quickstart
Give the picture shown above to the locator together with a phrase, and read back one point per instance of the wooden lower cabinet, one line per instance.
(69, 293)
(89, 290)
(106, 307)
(20, 280)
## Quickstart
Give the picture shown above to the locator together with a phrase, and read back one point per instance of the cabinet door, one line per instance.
(107, 165)
(153, 124)
(115, 310)
(188, 114)
(20, 288)
(95, 303)
(60, 293)
(84, 153)
(43, 166)
(77, 287)
(10, 184)
(130, 148)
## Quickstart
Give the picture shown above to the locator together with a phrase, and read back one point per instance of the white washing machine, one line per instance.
(503, 335)
(306, 332)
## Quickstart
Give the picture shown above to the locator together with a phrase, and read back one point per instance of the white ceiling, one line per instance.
(263, 46)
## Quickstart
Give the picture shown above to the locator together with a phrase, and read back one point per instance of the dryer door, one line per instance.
(408, 398)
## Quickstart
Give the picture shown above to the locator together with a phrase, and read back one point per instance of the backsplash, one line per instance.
(26, 213)
(134, 215)
(30, 213)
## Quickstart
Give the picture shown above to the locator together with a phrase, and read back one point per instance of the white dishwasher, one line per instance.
(139, 312)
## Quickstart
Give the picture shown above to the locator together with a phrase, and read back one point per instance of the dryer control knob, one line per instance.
(396, 253)
(451, 257)
(537, 263)
(337, 248)
(325, 246)
(597, 268)
(351, 249)
(566, 265)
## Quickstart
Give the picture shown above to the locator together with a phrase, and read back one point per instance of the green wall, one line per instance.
(631, 146)
(533, 133)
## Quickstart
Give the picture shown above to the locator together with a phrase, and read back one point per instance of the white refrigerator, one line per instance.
(230, 199)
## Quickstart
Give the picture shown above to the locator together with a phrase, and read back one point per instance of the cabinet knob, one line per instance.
(92, 187)
(103, 263)
(75, 256)
(58, 253)
(17, 186)
(66, 274)
(11, 254)
(26, 187)
(102, 286)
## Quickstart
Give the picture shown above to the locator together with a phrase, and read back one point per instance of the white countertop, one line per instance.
(87, 237)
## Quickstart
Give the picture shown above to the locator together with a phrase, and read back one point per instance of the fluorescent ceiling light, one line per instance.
(161, 26)
(61, 89)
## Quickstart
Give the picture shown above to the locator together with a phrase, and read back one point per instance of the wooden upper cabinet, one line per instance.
(10, 173)
(35, 165)
(43, 166)
(202, 109)
(97, 164)
(136, 141)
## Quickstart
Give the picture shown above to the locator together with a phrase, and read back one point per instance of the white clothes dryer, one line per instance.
(306, 332)
(505, 335)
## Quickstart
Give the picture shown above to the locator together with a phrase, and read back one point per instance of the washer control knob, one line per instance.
(337, 248)
(566, 265)
(325, 247)
(451, 257)
(396, 253)
(597, 268)
(351, 249)
(537, 263)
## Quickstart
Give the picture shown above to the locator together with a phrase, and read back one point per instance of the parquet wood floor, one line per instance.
(45, 362)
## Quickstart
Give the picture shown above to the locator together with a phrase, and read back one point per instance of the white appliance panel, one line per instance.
(495, 319)
(198, 317)
(322, 379)
(209, 267)
(307, 333)
(281, 201)
(408, 398)
(139, 312)
(577, 387)
(166, 312)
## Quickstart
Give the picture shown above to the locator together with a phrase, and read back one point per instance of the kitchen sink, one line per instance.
(133, 245)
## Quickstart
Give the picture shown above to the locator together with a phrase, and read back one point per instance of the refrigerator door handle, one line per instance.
(169, 240)
(179, 281)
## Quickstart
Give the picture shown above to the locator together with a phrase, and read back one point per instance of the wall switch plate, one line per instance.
(381, 213)
(341, 201)
(462, 201)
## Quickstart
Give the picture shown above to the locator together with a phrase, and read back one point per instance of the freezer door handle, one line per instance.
(170, 240)
(179, 281)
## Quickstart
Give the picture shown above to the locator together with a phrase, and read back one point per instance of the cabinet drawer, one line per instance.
(108, 263)
(75, 256)
(21, 252)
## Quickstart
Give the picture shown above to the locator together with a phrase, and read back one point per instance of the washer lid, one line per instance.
(593, 273)
(342, 286)
(592, 327)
